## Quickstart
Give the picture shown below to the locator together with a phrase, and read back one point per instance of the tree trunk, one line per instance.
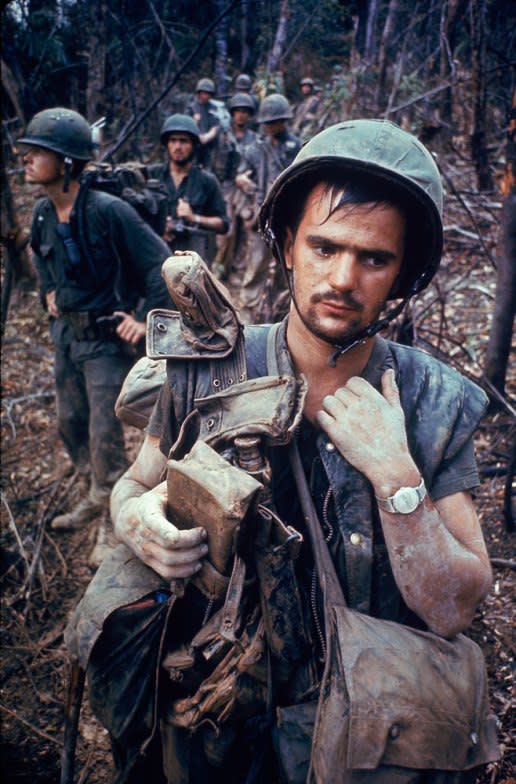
(280, 39)
(95, 98)
(11, 88)
(478, 67)
(370, 26)
(221, 50)
(500, 336)
(449, 14)
(384, 44)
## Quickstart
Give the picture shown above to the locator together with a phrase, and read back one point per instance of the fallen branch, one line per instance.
(12, 526)
(26, 723)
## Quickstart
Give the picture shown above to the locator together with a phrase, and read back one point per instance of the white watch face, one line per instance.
(405, 500)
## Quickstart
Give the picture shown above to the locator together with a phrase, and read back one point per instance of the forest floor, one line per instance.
(45, 573)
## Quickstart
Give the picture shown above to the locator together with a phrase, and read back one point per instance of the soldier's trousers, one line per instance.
(86, 391)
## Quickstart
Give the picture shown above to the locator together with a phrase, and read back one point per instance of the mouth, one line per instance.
(338, 307)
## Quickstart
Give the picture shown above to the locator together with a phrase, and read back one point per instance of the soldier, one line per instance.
(263, 161)
(305, 114)
(231, 247)
(377, 475)
(96, 258)
(202, 109)
(196, 206)
(244, 84)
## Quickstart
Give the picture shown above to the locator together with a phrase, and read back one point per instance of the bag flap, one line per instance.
(270, 406)
(413, 699)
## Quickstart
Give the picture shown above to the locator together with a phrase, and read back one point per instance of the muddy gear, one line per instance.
(241, 101)
(243, 82)
(131, 183)
(85, 511)
(61, 130)
(179, 123)
(382, 150)
(205, 85)
(274, 107)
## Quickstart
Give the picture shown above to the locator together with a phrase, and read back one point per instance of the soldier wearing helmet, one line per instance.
(196, 206)
(99, 272)
(384, 460)
(204, 111)
(241, 107)
(305, 115)
(262, 162)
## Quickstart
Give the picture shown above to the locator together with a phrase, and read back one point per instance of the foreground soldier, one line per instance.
(385, 438)
(96, 260)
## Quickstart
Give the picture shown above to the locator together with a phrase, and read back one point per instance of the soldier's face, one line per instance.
(343, 263)
(240, 117)
(203, 97)
(42, 167)
(275, 128)
(180, 148)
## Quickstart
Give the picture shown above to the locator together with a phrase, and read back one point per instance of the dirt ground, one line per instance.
(43, 574)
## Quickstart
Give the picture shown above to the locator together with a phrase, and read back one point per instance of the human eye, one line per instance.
(375, 260)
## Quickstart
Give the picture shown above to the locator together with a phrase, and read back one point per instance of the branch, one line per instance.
(132, 128)
(34, 729)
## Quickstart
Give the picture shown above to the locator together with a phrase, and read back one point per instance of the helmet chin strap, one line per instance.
(353, 340)
(67, 174)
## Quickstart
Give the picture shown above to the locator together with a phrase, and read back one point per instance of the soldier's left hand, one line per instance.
(129, 329)
(366, 426)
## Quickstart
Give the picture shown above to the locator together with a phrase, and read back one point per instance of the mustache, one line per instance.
(345, 299)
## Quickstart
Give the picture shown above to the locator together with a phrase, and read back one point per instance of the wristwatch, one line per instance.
(405, 500)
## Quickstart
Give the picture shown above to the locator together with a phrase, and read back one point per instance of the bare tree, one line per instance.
(280, 39)
(499, 346)
(95, 90)
(384, 44)
(477, 13)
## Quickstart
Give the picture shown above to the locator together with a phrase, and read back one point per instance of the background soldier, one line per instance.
(195, 198)
(96, 260)
(204, 112)
(305, 114)
(261, 285)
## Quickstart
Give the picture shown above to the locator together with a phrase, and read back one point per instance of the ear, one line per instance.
(288, 249)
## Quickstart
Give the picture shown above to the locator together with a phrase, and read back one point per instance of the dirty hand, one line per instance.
(368, 428)
(144, 528)
(130, 330)
(184, 210)
(50, 298)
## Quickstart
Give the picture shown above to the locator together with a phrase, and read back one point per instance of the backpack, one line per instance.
(131, 182)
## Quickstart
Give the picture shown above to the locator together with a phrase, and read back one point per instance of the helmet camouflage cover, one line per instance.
(62, 131)
(241, 101)
(386, 154)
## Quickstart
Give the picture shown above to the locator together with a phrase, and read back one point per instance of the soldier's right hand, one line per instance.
(50, 298)
(142, 525)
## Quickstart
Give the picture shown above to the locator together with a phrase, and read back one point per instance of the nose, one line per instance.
(343, 272)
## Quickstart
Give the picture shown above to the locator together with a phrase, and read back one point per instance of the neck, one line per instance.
(63, 202)
(179, 170)
(310, 356)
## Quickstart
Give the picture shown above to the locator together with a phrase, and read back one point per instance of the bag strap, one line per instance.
(326, 571)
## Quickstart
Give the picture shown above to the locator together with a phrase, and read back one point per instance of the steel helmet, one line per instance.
(386, 153)
(206, 85)
(241, 101)
(274, 107)
(307, 81)
(181, 123)
(243, 82)
(61, 130)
